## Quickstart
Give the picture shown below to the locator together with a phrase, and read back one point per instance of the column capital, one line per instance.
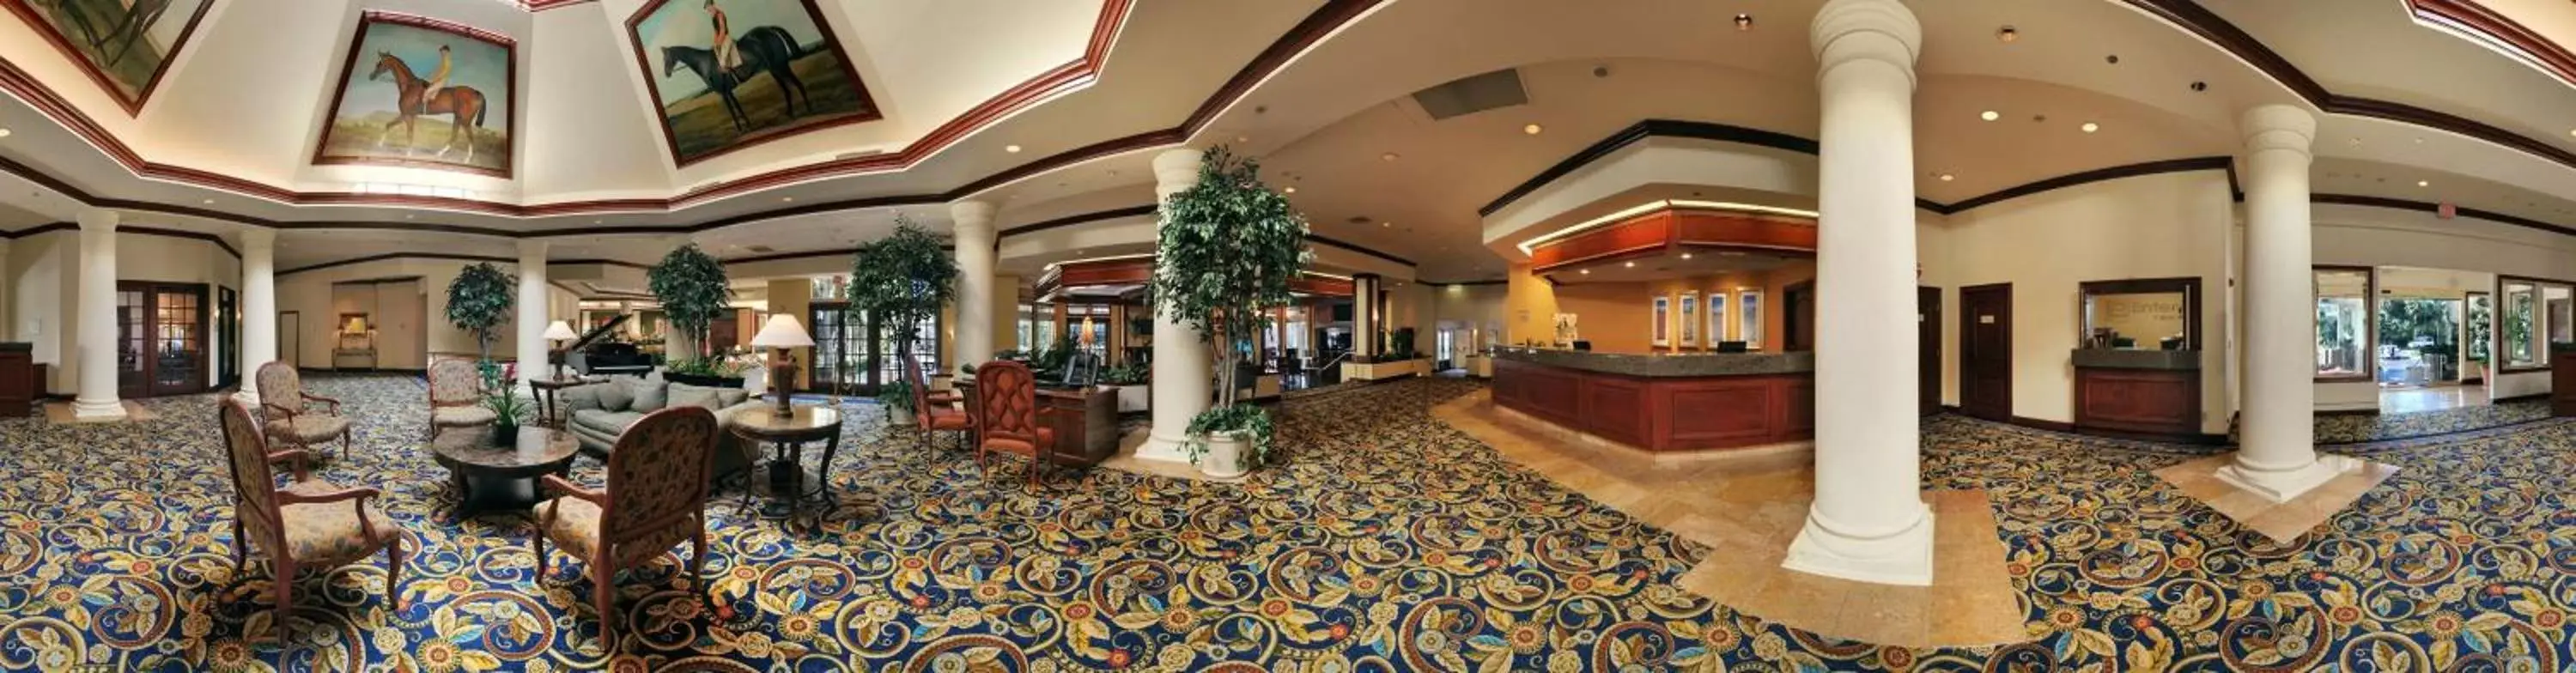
(975, 216)
(1849, 31)
(258, 238)
(2278, 127)
(98, 219)
(532, 247)
(1176, 170)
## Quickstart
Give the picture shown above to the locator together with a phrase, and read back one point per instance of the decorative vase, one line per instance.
(505, 435)
(1224, 457)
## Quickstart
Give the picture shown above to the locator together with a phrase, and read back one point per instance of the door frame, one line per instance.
(1797, 321)
(149, 360)
(1966, 332)
(290, 334)
(1930, 315)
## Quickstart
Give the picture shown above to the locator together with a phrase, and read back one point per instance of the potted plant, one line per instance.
(508, 410)
(1225, 252)
(723, 371)
(478, 301)
(897, 399)
(1134, 382)
(693, 290)
(903, 280)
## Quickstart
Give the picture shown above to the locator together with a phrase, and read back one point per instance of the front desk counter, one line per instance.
(1676, 402)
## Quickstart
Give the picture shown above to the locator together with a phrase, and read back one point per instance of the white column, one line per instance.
(1364, 318)
(1868, 521)
(974, 229)
(2278, 458)
(532, 309)
(1181, 385)
(259, 307)
(96, 337)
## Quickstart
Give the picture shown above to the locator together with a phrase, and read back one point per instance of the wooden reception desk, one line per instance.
(1664, 402)
(2146, 394)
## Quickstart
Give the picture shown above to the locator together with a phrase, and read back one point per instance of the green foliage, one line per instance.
(1050, 363)
(479, 300)
(902, 280)
(1127, 374)
(1249, 420)
(1227, 248)
(2404, 321)
(722, 366)
(1399, 344)
(2481, 310)
(693, 290)
(2517, 328)
(896, 396)
(512, 409)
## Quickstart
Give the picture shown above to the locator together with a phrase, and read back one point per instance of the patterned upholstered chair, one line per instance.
(656, 497)
(456, 396)
(933, 412)
(1006, 415)
(310, 523)
(291, 420)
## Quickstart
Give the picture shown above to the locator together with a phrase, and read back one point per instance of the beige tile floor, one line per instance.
(2283, 522)
(59, 412)
(2433, 398)
(1126, 461)
(1747, 505)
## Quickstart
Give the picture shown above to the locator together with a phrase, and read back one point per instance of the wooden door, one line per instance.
(1798, 301)
(1927, 321)
(161, 346)
(1985, 351)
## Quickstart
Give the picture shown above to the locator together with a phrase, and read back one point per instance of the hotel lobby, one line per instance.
(1293, 335)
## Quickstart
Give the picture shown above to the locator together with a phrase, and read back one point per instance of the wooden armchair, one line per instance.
(456, 396)
(656, 496)
(1006, 415)
(282, 401)
(309, 523)
(934, 412)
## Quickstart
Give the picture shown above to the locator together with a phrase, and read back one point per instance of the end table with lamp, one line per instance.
(787, 428)
(542, 389)
(782, 332)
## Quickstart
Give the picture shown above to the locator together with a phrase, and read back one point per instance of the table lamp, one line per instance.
(782, 333)
(560, 333)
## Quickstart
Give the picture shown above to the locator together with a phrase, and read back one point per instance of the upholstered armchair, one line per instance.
(293, 418)
(935, 412)
(1006, 416)
(655, 497)
(310, 523)
(456, 396)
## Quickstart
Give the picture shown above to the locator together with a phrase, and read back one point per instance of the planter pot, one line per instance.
(505, 436)
(900, 418)
(1138, 397)
(704, 381)
(1224, 457)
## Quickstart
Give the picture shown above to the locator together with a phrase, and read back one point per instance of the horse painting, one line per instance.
(764, 49)
(462, 103)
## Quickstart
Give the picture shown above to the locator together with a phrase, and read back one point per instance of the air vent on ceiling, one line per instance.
(1477, 93)
(762, 249)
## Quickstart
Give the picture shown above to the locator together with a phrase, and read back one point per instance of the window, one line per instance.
(1716, 317)
(2343, 322)
(2521, 342)
(1749, 323)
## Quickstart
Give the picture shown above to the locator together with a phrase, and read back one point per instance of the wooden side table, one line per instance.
(543, 391)
(787, 436)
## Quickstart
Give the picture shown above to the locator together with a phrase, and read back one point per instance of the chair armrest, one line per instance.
(301, 457)
(285, 497)
(267, 408)
(565, 486)
(335, 404)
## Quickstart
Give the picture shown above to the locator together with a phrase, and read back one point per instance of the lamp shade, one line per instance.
(356, 324)
(560, 332)
(782, 331)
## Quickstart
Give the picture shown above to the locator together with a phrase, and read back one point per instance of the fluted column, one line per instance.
(1868, 521)
(259, 306)
(96, 339)
(1181, 385)
(974, 229)
(2278, 457)
(532, 309)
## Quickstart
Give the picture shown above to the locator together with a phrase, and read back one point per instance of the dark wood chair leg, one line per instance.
(537, 545)
(393, 572)
(604, 598)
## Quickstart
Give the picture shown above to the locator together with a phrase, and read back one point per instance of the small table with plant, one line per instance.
(787, 436)
(507, 460)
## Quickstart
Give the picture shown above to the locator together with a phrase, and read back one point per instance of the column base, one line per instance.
(2281, 486)
(1163, 447)
(249, 398)
(88, 409)
(1903, 558)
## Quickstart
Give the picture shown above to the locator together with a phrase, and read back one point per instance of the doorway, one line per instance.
(1927, 336)
(1985, 351)
(160, 339)
(290, 339)
(227, 338)
(1798, 316)
(853, 356)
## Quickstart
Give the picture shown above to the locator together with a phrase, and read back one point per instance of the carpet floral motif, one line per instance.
(1386, 542)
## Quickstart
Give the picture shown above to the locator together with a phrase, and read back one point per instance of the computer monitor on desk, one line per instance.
(1730, 347)
(1582, 345)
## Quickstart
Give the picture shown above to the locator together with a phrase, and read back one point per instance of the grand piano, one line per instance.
(595, 355)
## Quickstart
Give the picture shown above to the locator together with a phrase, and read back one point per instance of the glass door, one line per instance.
(840, 348)
(161, 339)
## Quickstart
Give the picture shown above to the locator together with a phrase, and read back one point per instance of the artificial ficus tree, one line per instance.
(1227, 249)
(693, 290)
(903, 280)
(479, 300)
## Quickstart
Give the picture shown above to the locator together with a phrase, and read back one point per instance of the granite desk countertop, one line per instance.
(1665, 366)
(2128, 358)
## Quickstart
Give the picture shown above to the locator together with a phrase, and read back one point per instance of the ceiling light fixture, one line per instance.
(2090, 127)
(1743, 22)
(1686, 255)
(1243, 139)
(1945, 177)
(2007, 34)
(1990, 115)
(2423, 183)
(1290, 189)
(786, 198)
(1587, 272)
(1386, 224)
(1532, 129)
(1390, 156)
(4, 133)
(210, 202)
(1014, 149)
(1631, 265)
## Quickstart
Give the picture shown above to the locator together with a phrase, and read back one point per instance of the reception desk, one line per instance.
(2149, 394)
(1663, 402)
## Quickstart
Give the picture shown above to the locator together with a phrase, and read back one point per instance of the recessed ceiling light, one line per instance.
(1014, 149)
(1631, 265)
(2090, 127)
(4, 133)
(1290, 189)
(1587, 272)
(210, 202)
(1945, 177)
(1390, 156)
(2423, 183)
(409, 216)
(1686, 255)
(786, 198)
(1743, 22)
(1990, 115)
(2007, 34)
(1532, 129)
(1386, 224)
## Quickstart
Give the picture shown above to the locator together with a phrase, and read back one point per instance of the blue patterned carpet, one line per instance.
(1388, 542)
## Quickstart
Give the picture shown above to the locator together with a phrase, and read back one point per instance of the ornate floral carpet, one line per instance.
(1386, 542)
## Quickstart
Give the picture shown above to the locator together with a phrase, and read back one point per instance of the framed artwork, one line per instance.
(124, 45)
(424, 93)
(1716, 317)
(1748, 325)
(1565, 329)
(1663, 320)
(1690, 319)
(730, 74)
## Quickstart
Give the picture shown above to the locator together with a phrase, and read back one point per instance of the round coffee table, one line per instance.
(469, 455)
(787, 436)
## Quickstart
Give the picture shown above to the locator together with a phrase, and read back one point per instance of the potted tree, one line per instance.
(477, 301)
(693, 290)
(902, 280)
(1226, 250)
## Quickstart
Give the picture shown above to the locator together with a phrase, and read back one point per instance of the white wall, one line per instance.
(43, 280)
(2366, 236)
(310, 295)
(2154, 226)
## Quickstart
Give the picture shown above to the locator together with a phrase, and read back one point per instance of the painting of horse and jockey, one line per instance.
(423, 92)
(126, 45)
(728, 74)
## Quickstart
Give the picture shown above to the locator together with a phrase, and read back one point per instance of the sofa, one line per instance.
(597, 413)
